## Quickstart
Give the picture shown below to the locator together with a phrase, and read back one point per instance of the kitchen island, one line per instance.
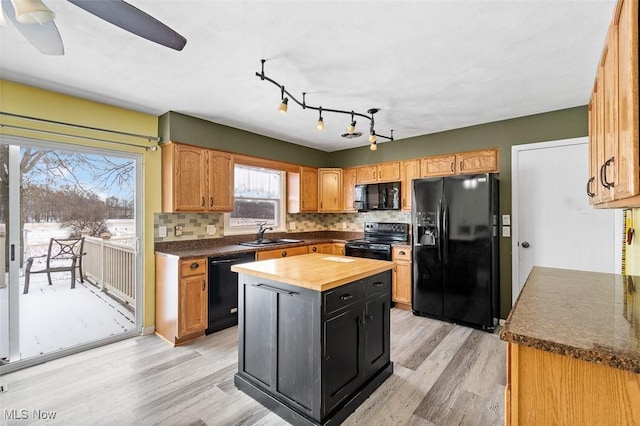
(574, 349)
(313, 334)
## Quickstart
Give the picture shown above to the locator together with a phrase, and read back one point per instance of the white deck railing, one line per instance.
(111, 266)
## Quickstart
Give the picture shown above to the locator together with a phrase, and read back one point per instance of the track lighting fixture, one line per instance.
(32, 12)
(351, 128)
(320, 123)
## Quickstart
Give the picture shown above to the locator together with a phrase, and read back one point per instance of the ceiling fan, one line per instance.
(35, 21)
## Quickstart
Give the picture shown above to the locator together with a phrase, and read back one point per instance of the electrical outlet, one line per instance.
(506, 231)
(162, 231)
(292, 225)
(178, 230)
(211, 230)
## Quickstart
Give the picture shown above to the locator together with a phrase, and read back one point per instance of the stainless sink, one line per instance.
(267, 242)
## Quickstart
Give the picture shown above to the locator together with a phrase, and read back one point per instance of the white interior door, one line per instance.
(553, 223)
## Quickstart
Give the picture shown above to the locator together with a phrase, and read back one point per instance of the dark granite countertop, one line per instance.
(189, 249)
(590, 316)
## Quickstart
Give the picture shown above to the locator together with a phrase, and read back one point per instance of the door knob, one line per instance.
(525, 244)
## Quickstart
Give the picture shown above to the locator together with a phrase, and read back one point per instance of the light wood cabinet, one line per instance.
(181, 298)
(440, 165)
(330, 190)
(277, 253)
(349, 189)
(547, 388)
(383, 172)
(409, 170)
(614, 169)
(462, 163)
(326, 248)
(338, 248)
(196, 179)
(402, 281)
(302, 190)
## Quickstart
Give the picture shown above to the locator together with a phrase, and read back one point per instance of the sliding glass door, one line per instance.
(69, 248)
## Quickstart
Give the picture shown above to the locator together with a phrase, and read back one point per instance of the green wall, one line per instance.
(173, 126)
(556, 125)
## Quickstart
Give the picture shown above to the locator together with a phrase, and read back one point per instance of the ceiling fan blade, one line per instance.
(132, 19)
(45, 37)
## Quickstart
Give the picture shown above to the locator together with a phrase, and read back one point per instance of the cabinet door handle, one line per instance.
(203, 202)
(275, 289)
(321, 204)
(204, 283)
(283, 254)
(401, 253)
(378, 284)
(589, 182)
(314, 249)
(374, 175)
(194, 265)
(210, 201)
(346, 297)
(461, 168)
(452, 167)
(380, 174)
(603, 173)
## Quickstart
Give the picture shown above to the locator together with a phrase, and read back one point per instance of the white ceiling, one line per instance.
(428, 65)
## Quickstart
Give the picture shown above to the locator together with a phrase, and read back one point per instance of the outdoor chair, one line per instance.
(64, 255)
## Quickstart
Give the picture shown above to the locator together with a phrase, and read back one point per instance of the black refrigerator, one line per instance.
(456, 270)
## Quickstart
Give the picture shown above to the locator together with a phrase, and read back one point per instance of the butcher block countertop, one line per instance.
(315, 271)
(590, 316)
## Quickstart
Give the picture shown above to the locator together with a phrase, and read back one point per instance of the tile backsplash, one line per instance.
(194, 225)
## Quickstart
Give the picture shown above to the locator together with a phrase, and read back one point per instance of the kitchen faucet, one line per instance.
(261, 231)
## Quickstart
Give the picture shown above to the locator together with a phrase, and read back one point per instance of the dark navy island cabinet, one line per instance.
(313, 357)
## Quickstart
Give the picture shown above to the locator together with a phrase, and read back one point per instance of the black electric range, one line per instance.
(378, 237)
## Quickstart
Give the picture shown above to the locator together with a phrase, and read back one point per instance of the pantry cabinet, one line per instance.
(401, 277)
(330, 190)
(196, 179)
(614, 170)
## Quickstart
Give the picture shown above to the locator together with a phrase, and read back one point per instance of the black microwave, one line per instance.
(377, 196)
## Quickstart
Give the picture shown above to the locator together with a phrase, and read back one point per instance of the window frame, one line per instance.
(281, 205)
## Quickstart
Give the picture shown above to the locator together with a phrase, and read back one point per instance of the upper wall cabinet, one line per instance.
(349, 189)
(302, 190)
(330, 190)
(383, 172)
(196, 179)
(463, 163)
(409, 170)
(614, 169)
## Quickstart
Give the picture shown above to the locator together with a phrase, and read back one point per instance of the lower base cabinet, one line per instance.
(313, 357)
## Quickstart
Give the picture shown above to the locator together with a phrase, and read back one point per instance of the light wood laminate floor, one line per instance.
(444, 374)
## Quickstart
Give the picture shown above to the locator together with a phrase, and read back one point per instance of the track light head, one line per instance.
(352, 127)
(32, 12)
(373, 146)
(320, 124)
(372, 137)
(284, 106)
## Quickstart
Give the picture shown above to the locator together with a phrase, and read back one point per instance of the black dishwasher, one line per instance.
(223, 291)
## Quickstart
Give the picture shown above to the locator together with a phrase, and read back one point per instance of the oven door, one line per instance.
(375, 251)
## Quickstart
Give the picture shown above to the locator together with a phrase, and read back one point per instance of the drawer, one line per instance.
(379, 283)
(400, 253)
(277, 253)
(193, 267)
(344, 296)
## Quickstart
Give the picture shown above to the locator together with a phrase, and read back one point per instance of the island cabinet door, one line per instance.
(342, 356)
(279, 341)
(376, 333)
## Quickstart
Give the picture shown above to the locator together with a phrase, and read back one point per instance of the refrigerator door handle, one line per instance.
(439, 233)
(445, 234)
